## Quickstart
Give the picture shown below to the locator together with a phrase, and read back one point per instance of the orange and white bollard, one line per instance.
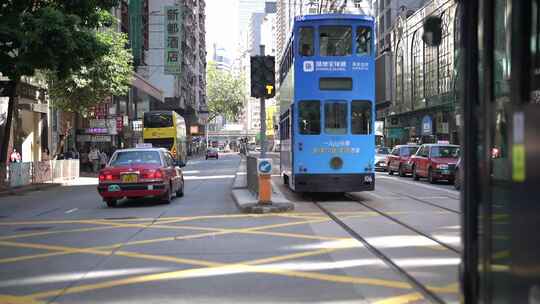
(265, 189)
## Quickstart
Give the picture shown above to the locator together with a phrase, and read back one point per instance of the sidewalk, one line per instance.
(5, 191)
(247, 201)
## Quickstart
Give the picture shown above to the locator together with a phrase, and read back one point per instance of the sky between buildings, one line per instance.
(221, 25)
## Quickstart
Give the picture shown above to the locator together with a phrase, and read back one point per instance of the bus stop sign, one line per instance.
(264, 166)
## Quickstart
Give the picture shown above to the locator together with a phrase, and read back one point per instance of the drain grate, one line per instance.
(34, 228)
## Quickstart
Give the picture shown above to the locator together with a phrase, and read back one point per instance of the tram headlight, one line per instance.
(336, 163)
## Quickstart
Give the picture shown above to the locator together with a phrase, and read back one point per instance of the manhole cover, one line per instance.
(35, 228)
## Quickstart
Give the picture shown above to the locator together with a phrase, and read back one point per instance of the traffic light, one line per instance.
(263, 77)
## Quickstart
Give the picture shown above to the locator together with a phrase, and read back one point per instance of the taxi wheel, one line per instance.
(401, 171)
(167, 197)
(414, 175)
(180, 191)
(430, 177)
(111, 202)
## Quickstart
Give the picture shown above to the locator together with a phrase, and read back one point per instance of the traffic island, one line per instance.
(245, 191)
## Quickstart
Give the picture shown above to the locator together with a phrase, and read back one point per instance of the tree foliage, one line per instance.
(225, 93)
(52, 35)
(110, 74)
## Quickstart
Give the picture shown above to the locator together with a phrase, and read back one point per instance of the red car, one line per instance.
(435, 162)
(212, 153)
(399, 157)
(135, 173)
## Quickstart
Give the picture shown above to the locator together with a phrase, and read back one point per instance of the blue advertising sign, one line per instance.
(427, 125)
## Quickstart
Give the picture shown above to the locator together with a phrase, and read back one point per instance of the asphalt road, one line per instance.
(63, 245)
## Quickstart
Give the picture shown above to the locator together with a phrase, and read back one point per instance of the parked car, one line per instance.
(457, 175)
(435, 162)
(135, 173)
(212, 153)
(399, 157)
(381, 155)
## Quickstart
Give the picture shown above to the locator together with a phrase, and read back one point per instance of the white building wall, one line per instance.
(154, 71)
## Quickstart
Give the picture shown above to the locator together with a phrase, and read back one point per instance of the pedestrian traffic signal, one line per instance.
(263, 77)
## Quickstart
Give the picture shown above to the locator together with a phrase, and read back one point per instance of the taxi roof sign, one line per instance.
(143, 145)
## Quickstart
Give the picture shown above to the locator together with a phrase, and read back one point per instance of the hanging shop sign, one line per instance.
(173, 40)
(427, 125)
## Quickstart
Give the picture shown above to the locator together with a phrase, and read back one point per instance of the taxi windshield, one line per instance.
(135, 157)
(445, 151)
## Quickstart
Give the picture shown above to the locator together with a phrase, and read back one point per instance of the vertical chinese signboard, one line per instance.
(173, 40)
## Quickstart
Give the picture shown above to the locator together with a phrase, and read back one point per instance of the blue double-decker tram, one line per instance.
(326, 95)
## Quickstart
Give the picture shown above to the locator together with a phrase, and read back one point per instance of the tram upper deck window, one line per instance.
(363, 41)
(309, 117)
(335, 118)
(360, 117)
(335, 40)
(306, 42)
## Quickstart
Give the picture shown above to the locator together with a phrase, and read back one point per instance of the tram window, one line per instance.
(306, 41)
(309, 113)
(335, 40)
(335, 118)
(363, 41)
(361, 117)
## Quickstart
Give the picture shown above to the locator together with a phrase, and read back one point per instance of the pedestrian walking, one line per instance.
(103, 159)
(93, 156)
(85, 162)
(15, 156)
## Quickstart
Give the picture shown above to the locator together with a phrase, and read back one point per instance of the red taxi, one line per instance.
(399, 157)
(435, 162)
(135, 173)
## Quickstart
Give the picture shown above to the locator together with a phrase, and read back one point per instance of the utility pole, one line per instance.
(263, 117)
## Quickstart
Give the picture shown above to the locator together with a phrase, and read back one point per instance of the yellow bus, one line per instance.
(166, 129)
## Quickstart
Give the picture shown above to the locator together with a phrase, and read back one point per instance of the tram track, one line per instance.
(428, 294)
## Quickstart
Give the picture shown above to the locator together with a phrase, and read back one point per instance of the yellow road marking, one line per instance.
(8, 299)
(403, 299)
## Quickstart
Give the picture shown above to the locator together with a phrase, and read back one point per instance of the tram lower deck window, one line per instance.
(335, 118)
(361, 117)
(309, 117)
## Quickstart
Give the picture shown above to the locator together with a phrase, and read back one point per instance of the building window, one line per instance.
(335, 40)
(431, 69)
(399, 77)
(418, 70)
(306, 41)
(446, 55)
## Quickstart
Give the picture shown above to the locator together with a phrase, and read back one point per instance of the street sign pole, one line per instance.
(263, 117)
(263, 128)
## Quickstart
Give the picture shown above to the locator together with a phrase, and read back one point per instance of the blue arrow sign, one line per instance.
(265, 167)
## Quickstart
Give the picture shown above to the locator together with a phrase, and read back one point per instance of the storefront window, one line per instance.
(399, 77)
(446, 54)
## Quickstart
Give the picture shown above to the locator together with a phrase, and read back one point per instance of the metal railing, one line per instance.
(23, 174)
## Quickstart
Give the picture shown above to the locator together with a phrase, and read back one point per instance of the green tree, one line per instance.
(225, 93)
(110, 74)
(52, 35)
